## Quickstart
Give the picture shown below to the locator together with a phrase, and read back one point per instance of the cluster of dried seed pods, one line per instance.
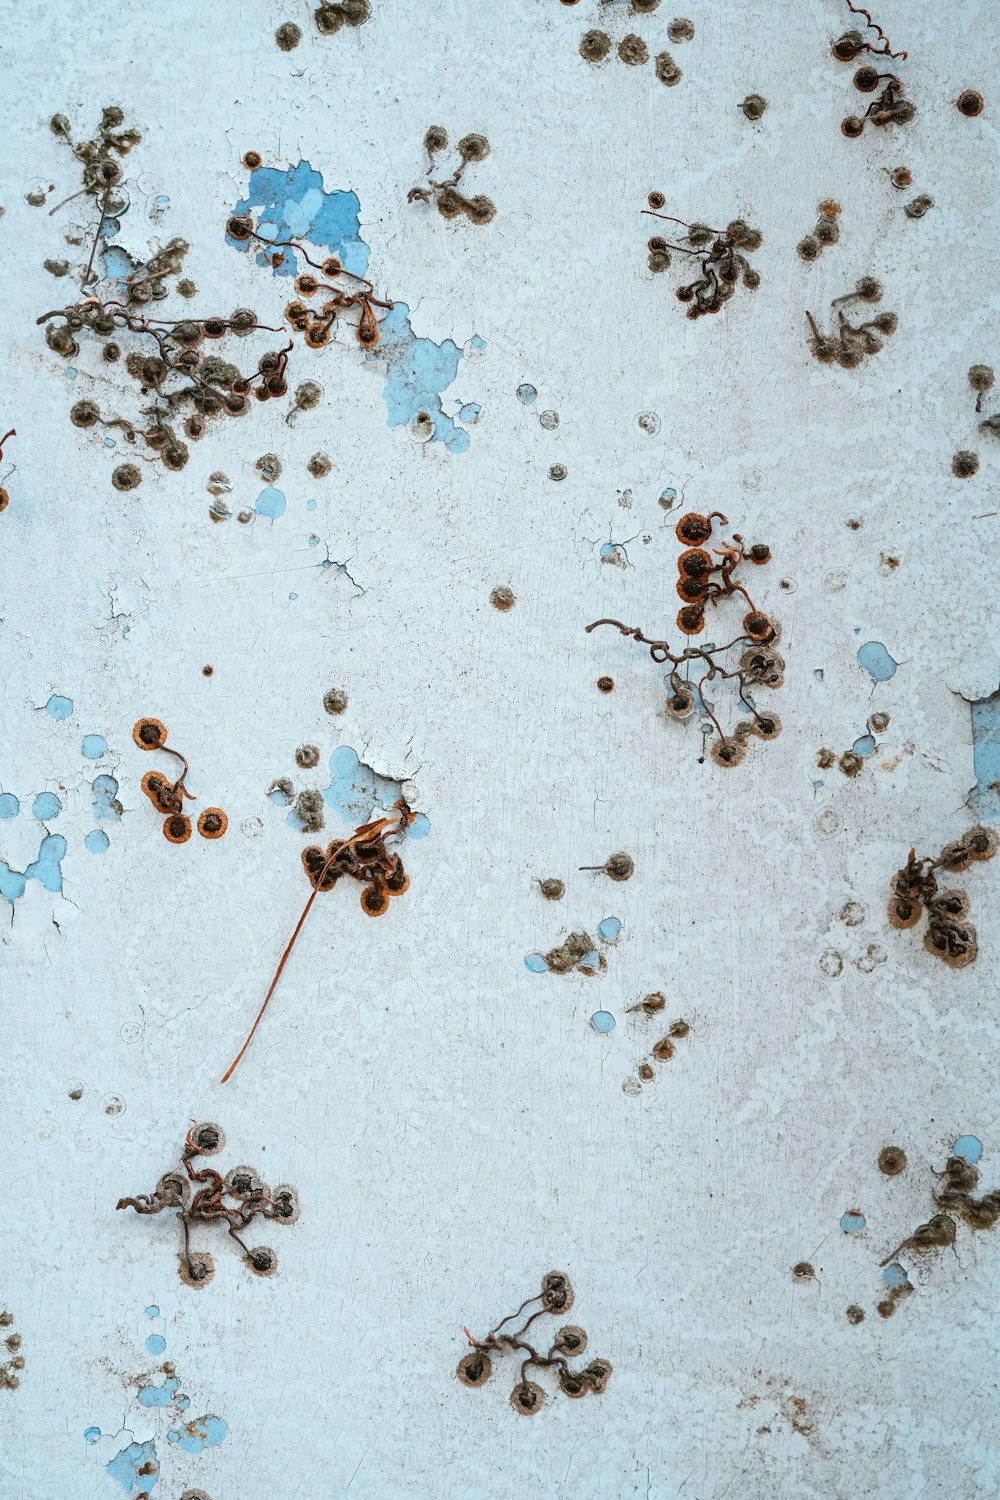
(13, 1362)
(915, 892)
(206, 1197)
(450, 202)
(316, 325)
(826, 232)
(721, 252)
(4, 497)
(663, 1050)
(852, 342)
(528, 1397)
(168, 796)
(700, 582)
(890, 107)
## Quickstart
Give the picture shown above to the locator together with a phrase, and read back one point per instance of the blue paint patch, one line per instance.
(293, 596)
(876, 661)
(118, 264)
(270, 503)
(158, 1395)
(9, 805)
(125, 1466)
(865, 745)
(535, 963)
(420, 827)
(156, 1343)
(602, 1021)
(310, 505)
(609, 929)
(46, 806)
(279, 797)
(470, 412)
(852, 1222)
(984, 798)
(895, 1275)
(295, 205)
(93, 746)
(969, 1148)
(71, 374)
(418, 371)
(105, 806)
(590, 963)
(97, 841)
(203, 1432)
(59, 707)
(355, 789)
(667, 497)
(152, 1311)
(476, 342)
(92, 1434)
(46, 869)
(526, 394)
(313, 541)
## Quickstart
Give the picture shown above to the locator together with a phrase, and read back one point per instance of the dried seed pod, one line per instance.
(527, 1398)
(177, 828)
(374, 900)
(557, 1292)
(981, 842)
(726, 752)
(212, 823)
(595, 46)
(597, 1374)
(261, 1260)
(474, 1368)
(892, 1160)
(149, 734)
(196, 1269)
(903, 912)
(570, 1340)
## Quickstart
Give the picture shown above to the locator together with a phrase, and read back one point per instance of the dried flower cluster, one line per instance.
(853, 342)
(720, 253)
(915, 892)
(700, 582)
(527, 1397)
(450, 202)
(206, 1197)
(168, 796)
(890, 107)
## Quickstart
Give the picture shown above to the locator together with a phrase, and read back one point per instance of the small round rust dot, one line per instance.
(855, 1314)
(552, 889)
(970, 103)
(892, 1160)
(207, 671)
(252, 160)
(502, 598)
(606, 684)
(802, 1271)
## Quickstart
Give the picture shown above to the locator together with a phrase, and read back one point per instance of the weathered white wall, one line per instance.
(453, 1122)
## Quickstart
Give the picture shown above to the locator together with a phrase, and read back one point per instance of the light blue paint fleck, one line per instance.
(294, 821)
(894, 1275)
(852, 1222)
(470, 412)
(59, 707)
(46, 869)
(310, 505)
(279, 797)
(293, 596)
(109, 442)
(270, 503)
(602, 1021)
(295, 205)
(420, 827)
(610, 549)
(969, 1148)
(46, 806)
(314, 541)
(105, 792)
(92, 1434)
(609, 929)
(865, 745)
(876, 661)
(158, 1395)
(118, 264)
(667, 497)
(526, 394)
(418, 371)
(152, 1311)
(818, 786)
(93, 746)
(535, 963)
(984, 798)
(199, 1434)
(97, 841)
(125, 1466)
(156, 1343)
(9, 805)
(591, 961)
(355, 789)
(476, 342)
(71, 374)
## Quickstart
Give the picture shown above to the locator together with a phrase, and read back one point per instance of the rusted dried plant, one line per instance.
(915, 893)
(721, 253)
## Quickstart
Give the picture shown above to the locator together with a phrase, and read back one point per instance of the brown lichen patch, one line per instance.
(502, 598)
(570, 954)
(552, 889)
(311, 809)
(892, 1160)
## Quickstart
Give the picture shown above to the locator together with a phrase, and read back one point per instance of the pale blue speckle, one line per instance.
(984, 798)
(105, 792)
(865, 745)
(93, 746)
(293, 596)
(526, 394)
(420, 827)
(894, 1275)
(310, 505)
(46, 869)
(202, 1432)
(156, 1343)
(470, 412)
(46, 806)
(314, 541)
(591, 960)
(876, 661)
(270, 503)
(109, 442)
(294, 204)
(97, 841)
(852, 1222)
(158, 1395)
(535, 963)
(969, 1148)
(152, 1311)
(602, 1021)
(667, 497)
(9, 805)
(71, 374)
(476, 342)
(609, 929)
(59, 707)
(125, 1466)
(92, 1434)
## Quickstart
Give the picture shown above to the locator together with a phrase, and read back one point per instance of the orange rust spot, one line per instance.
(149, 734)
(829, 207)
(177, 828)
(212, 823)
(374, 901)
